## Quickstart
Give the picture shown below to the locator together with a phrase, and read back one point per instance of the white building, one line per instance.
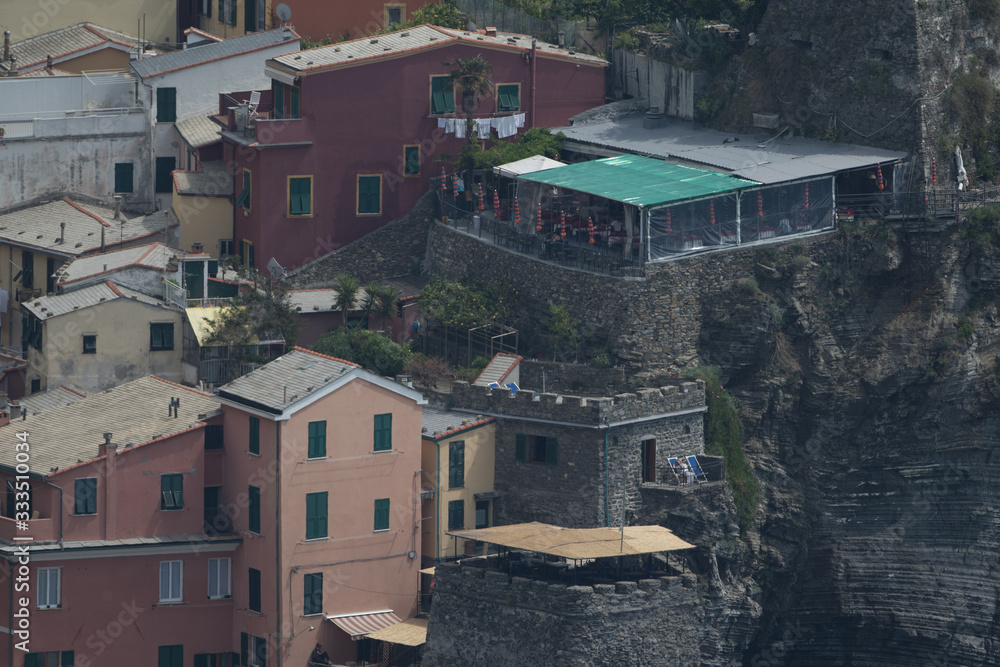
(184, 84)
(82, 133)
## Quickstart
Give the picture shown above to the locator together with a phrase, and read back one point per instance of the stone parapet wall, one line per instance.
(586, 411)
(483, 617)
(573, 378)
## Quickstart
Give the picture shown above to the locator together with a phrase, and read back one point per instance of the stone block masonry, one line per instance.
(482, 617)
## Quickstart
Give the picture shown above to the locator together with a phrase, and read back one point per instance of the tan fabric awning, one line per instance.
(578, 542)
(427, 570)
(359, 625)
(411, 632)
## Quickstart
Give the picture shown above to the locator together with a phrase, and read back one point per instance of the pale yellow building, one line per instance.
(99, 337)
(232, 18)
(457, 460)
(156, 19)
(204, 209)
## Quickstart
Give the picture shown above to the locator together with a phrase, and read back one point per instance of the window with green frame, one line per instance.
(244, 199)
(535, 448)
(317, 440)
(254, 435)
(171, 656)
(124, 176)
(300, 195)
(312, 601)
(49, 659)
(165, 174)
(442, 95)
(382, 514)
(85, 494)
(293, 101)
(316, 509)
(411, 160)
(254, 588)
(508, 97)
(369, 195)
(383, 432)
(456, 464)
(161, 336)
(254, 493)
(172, 491)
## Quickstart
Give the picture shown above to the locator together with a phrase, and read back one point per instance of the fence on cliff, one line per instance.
(505, 18)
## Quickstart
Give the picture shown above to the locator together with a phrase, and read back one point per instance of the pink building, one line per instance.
(354, 131)
(167, 530)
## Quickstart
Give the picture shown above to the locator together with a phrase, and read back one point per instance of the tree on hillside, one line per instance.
(348, 288)
(470, 77)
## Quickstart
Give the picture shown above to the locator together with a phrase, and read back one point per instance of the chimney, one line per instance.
(197, 247)
(491, 31)
(13, 66)
(110, 452)
(654, 118)
(6, 45)
(102, 238)
(118, 207)
(15, 410)
(62, 232)
(405, 379)
(48, 62)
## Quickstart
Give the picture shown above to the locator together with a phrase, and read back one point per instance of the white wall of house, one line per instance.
(198, 89)
(35, 95)
(141, 279)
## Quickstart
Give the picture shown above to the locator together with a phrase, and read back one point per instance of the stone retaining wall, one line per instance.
(481, 617)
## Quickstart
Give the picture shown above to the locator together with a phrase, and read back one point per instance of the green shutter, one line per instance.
(550, 451)
(254, 493)
(313, 595)
(442, 96)
(171, 656)
(411, 160)
(521, 447)
(316, 508)
(317, 440)
(31, 660)
(382, 514)
(244, 637)
(294, 95)
(254, 587)
(124, 177)
(456, 515)
(279, 99)
(383, 432)
(164, 174)
(369, 199)
(67, 659)
(244, 198)
(456, 465)
(166, 105)
(200, 660)
(254, 434)
(299, 196)
(508, 98)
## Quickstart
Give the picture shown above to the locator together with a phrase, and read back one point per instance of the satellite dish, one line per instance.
(284, 12)
(275, 269)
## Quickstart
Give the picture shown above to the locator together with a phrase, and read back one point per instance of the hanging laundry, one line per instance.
(442, 123)
(506, 126)
(483, 127)
(459, 128)
(519, 119)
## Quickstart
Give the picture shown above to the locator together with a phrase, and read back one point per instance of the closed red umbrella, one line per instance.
(590, 229)
(479, 194)
(454, 185)
(538, 220)
(517, 214)
(496, 204)
(760, 204)
(933, 171)
(807, 196)
(878, 176)
(711, 212)
(562, 224)
(444, 180)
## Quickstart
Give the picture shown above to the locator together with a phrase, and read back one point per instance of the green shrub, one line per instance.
(800, 262)
(724, 437)
(601, 360)
(965, 329)
(368, 349)
(627, 40)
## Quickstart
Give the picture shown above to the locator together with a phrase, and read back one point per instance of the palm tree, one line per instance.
(369, 305)
(471, 76)
(386, 306)
(347, 288)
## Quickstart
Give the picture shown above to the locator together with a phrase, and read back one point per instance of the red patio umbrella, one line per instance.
(496, 204)
(878, 176)
(454, 185)
(517, 215)
(538, 220)
(562, 224)
(590, 229)
(479, 195)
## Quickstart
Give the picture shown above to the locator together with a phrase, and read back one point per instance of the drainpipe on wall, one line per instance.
(58, 488)
(534, 70)
(277, 534)
(607, 509)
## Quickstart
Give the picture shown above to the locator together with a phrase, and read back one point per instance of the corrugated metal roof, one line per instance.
(287, 379)
(639, 181)
(34, 51)
(578, 542)
(133, 412)
(321, 300)
(54, 305)
(53, 398)
(199, 131)
(213, 180)
(227, 48)
(38, 226)
(151, 256)
(760, 159)
(412, 39)
(498, 369)
(359, 625)
(204, 540)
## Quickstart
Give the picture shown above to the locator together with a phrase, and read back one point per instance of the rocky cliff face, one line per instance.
(870, 392)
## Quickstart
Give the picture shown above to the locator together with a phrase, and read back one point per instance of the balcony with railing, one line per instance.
(39, 530)
(263, 127)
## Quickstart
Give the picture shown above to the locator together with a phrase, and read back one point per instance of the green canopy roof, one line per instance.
(640, 181)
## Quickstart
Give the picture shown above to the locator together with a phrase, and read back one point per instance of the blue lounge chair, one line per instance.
(699, 474)
(513, 387)
(672, 462)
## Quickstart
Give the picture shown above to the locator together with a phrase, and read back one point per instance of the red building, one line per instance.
(354, 131)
